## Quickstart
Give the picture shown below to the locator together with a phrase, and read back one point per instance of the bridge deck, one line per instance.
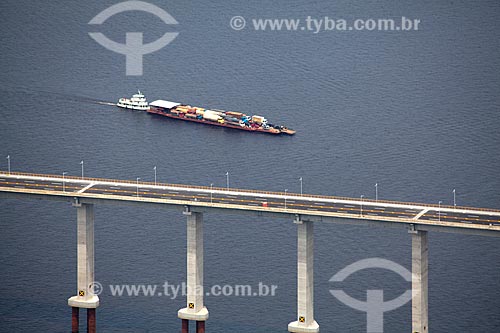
(15, 184)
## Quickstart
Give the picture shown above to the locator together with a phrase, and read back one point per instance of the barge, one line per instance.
(214, 117)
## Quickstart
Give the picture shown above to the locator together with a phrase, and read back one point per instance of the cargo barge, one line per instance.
(229, 119)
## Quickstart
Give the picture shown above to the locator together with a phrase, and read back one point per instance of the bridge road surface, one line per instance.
(19, 184)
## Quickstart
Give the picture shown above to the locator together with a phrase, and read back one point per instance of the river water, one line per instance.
(415, 111)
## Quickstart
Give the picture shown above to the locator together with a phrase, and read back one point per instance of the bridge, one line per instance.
(194, 201)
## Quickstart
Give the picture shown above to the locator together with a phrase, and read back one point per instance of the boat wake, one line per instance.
(39, 93)
(105, 103)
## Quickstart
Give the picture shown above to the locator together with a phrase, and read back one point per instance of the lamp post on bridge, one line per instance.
(155, 174)
(138, 186)
(439, 210)
(64, 182)
(8, 163)
(227, 180)
(361, 206)
(286, 190)
(81, 163)
(300, 179)
(454, 199)
(376, 191)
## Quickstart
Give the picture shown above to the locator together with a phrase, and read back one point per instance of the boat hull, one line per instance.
(131, 107)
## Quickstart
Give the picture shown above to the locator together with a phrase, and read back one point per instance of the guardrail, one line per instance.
(133, 182)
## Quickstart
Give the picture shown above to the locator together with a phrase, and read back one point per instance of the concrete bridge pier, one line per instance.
(85, 297)
(195, 309)
(305, 280)
(419, 267)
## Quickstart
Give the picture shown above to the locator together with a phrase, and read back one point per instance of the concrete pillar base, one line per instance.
(200, 327)
(298, 327)
(91, 302)
(185, 326)
(75, 320)
(188, 314)
(91, 327)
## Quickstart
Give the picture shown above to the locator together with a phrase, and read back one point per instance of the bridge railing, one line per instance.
(288, 194)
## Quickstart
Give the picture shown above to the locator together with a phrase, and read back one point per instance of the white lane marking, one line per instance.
(202, 194)
(350, 206)
(29, 181)
(232, 196)
(115, 187)
(319, 203)
(372, 214)
(19, 186)
(291, 201)
(56, 183)
(48, 188)
(422, 212)
(312, 209)
(86, 188)
(143, 189)
(409, 211)
(253, 204)
(173, 192)
(475, 216)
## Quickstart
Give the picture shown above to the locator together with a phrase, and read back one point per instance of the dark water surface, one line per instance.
(416, 112)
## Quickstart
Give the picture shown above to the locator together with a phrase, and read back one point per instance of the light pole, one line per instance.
(155, 174)
(361, 206)
(64, 185)
(211, 192)
(286, 190)
(300, 179)
(138, 186)
(227, 179)
(8, 163)
(439, 211)
(82, 167)
(376, 191)
(454, 199)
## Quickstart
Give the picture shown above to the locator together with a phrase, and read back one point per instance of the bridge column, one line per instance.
(85, 297)
(305, 280)
(419, 266)
(195, 309)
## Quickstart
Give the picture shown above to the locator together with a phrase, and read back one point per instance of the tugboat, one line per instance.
(137, 102)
